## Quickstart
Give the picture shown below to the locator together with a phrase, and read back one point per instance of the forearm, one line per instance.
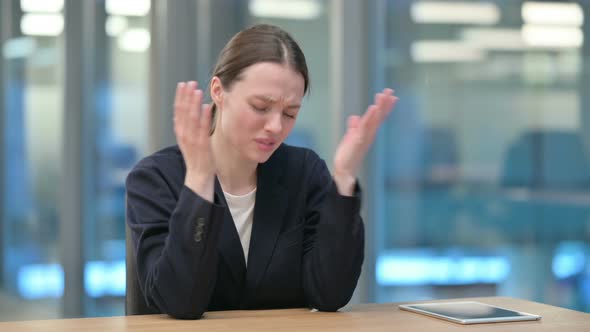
(333, 266)
(177, 260)
(345, 183)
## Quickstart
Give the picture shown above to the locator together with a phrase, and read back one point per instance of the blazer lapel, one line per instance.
(229, 241)
(271, 202)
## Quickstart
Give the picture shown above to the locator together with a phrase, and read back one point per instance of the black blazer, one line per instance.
(306, 246)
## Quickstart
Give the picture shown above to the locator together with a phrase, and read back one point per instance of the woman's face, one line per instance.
(259, 110)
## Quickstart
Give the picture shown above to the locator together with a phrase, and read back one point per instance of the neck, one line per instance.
(236, 174)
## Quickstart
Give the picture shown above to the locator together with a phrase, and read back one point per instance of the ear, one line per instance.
(216, 89)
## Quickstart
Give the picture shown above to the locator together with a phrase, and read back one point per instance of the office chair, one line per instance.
(134, 299)
(547, 159)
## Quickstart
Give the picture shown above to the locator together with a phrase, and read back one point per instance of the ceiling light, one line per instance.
(115, 25)
(552, 13)
(445, 51)
(42, 6)
(287, 9)
(494, 38)
(42, 24)
(455, 12)
(552, 36)
(134, 40)
(128, 7)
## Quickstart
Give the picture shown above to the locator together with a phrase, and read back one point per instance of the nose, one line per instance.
(273, 123)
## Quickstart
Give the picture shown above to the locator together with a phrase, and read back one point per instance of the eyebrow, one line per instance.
(272, 101)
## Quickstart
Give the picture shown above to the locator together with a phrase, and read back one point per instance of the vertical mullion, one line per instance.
(375, 172)
(348, 79)
(186, 37)
(77, 185)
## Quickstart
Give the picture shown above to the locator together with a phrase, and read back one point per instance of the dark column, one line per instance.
(86, 72)
(186, 36)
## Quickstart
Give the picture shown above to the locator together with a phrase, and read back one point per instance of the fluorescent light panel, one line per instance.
(552, 13)
(134, 40)
(445, 51)
(42, 24)
(484, 13)
(494, 38)
(128, 7)
(552, 36)
(286, 9)
(115, 25)
(42, 6)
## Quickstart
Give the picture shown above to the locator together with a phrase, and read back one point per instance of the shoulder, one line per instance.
(167, 157)
(166, 163)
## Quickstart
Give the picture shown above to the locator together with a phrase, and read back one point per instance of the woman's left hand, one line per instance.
(359, 136)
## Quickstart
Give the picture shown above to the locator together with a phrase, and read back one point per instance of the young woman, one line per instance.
(232, 218)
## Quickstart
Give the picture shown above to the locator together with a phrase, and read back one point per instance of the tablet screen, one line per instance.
(469, 312)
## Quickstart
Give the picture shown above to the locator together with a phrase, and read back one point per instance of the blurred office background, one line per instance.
(478, 185)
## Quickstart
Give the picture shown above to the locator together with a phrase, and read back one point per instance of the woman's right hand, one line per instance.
(192, 126)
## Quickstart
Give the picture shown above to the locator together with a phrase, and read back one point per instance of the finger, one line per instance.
(388, 101)
(188, 93)
(367, 122)
(354, 121)
(377, 98)
(180, 87)
(194, 107)
(179, 90)
(179, 115)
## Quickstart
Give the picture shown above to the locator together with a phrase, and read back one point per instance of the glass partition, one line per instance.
(32, 115)
(484, 167)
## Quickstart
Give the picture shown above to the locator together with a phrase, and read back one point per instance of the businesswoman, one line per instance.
(232, 218)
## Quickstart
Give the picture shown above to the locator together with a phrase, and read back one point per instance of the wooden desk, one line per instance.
(364, 317)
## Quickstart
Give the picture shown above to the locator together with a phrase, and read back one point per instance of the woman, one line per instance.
(232, 218)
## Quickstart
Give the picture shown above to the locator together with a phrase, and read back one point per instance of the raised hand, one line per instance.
(192, 127)
(357, 140)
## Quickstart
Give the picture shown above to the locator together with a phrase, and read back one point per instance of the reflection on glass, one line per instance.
(120, 138)
(485, 159)
(32, 126)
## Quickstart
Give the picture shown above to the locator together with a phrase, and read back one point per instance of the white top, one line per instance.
(242, 211)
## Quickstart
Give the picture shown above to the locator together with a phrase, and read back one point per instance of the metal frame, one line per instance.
(85, 67)
(183, 49)
(349, 78)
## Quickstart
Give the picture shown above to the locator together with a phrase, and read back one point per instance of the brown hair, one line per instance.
(259, 43)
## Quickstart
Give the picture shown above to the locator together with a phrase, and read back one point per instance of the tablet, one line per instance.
(469, 312)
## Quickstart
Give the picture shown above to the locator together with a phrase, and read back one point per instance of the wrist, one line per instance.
(345, 183)
(203, 185)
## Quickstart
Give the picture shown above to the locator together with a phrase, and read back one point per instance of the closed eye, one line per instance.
(260, 109)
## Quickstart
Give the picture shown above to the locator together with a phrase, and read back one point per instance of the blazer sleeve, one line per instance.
(333, 247)
(175, 234)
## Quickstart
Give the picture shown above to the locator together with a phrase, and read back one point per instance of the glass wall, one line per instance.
(484, 167)
(120, 138)
(32, 84)
(115, 135)
(478, 185)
